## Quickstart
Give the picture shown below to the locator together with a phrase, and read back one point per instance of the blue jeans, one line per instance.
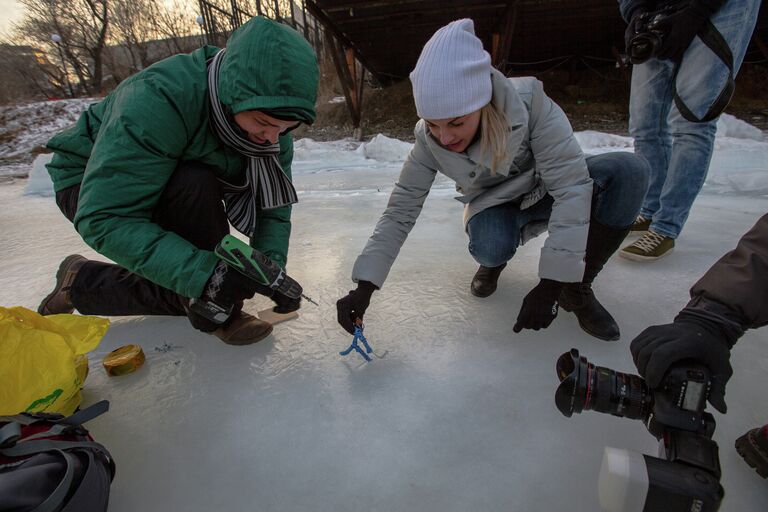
(679, 151)
(620, 180)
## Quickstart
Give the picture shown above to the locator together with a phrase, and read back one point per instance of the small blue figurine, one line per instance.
(359, 336)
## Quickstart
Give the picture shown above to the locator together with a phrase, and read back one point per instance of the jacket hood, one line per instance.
(269, 66)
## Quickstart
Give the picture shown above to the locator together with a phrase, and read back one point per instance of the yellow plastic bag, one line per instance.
(42, 359)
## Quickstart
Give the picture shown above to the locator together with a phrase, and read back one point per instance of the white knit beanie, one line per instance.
(452, 77)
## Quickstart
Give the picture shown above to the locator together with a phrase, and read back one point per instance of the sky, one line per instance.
(454, 413)
(10, 11)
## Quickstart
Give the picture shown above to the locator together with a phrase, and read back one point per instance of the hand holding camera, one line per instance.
(659, 347)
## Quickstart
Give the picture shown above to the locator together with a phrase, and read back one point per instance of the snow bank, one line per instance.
(39, 182)
(731, 126)
(28, 126)
(385, 149)
(592, 141)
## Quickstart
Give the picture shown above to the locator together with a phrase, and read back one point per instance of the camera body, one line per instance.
(649, 35)
(686, 475)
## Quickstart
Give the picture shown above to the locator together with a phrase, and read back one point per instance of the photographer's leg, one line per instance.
(619, 182)
(700, 81)
(649, 104)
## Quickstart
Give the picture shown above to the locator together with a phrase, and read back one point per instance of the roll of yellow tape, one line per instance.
(122, 360)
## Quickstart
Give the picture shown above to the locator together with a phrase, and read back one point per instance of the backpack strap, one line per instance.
(9, 434)
(85, 415)
(714, 40)
(38, 446)
(54, 500)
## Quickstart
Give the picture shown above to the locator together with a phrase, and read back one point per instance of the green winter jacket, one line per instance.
(124, 149)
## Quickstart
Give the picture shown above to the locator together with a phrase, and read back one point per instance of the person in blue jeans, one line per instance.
(678, 149)
(519, 171)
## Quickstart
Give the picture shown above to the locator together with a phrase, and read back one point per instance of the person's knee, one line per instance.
(193, 178)
(492, 253)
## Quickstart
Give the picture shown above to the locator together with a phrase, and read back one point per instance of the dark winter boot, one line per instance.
(579, 299)
(484, 282)
(243, 329)
(753, 447)
(59, 300)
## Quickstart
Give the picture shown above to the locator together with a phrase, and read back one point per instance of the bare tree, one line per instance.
(133, 25)
(81, 26)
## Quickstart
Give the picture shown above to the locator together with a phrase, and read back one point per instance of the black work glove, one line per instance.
(227, 286)
(539, 306)
(681, 27)
(284, 303)
(689, 337)
(353, 305)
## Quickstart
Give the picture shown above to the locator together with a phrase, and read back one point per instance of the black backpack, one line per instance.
(50, 463)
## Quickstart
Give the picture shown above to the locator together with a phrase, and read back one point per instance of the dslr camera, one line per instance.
(649, 35)
(686, 475)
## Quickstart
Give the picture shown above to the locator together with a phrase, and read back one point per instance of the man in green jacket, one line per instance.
(153, 175)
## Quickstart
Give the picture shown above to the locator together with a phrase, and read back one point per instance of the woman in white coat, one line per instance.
(520, 171)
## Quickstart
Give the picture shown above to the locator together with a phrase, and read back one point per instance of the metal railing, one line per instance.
(221, 17)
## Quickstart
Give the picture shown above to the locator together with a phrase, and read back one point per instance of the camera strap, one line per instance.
(714, 40)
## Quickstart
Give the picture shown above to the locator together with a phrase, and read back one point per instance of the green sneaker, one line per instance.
(650, 246)
(640, 225)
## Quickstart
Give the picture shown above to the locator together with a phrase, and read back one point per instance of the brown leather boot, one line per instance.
(243, 329)
(59, 300)
(485, 280)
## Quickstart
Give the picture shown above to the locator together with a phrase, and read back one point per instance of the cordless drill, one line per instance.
(254, 265)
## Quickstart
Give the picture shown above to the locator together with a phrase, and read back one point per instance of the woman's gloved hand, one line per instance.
(539, 307)
(352, 306)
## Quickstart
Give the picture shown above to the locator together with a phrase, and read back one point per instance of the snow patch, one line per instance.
(731, 126)
(590, 140)
(385, 149)
(39, 182)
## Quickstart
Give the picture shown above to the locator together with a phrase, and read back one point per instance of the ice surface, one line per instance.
(455, 413)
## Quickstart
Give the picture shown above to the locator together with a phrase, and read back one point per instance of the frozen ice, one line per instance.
(39, 182)
(455, 412)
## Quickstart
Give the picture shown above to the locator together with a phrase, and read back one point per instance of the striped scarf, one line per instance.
(265, 180)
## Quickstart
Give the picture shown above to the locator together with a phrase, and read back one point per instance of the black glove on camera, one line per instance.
(691, 336)
(539, 307)
(353, 305)
(631, 29)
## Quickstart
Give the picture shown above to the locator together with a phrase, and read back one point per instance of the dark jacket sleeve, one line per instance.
(739, 280)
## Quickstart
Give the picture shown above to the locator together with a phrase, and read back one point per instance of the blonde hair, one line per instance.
(493, 134)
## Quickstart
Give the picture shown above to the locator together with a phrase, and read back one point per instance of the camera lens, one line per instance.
(586, 386)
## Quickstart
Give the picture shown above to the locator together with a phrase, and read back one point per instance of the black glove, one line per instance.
(631, 29)
(539, 306)
(689, 337)
(284, 303)
(353, 306)
(227, 286)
